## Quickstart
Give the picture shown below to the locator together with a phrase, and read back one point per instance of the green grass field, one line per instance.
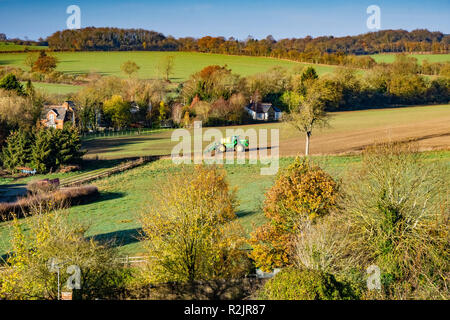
(8, 46)
(390, 57)
(56, 88)
(124, 196)
(186, 63)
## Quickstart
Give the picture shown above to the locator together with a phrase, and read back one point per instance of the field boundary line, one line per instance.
(106, 173)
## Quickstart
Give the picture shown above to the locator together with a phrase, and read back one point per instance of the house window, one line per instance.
(51, 118)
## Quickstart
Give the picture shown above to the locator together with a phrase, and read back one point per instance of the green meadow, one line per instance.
(56, 88)
(8, 46)
(390, 57)
(115, 215)
(186, 63)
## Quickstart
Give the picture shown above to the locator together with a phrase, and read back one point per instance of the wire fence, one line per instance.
(120, 133)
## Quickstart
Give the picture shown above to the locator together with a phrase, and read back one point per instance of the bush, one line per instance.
(51, 235)
(306, 284)
(396, 208)
(59, 198)
(191, 229)
(10, 82)
(302, 192)
(44, 63)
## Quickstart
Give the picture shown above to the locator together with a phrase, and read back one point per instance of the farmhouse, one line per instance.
(56, 116)
(263, 111)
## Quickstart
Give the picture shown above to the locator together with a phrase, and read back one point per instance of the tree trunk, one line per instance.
(308, 137)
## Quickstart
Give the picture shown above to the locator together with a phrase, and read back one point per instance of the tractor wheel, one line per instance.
(240, 148)
(222, 148)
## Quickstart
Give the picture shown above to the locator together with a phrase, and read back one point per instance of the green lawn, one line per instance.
(390, 57)
(186, 63)
(9, 46)
(56, 88)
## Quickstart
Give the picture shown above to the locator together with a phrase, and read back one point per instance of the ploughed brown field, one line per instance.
(348, 132)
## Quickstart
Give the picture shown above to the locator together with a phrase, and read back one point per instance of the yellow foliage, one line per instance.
(51, 236)
(302, 191)
(191, 230)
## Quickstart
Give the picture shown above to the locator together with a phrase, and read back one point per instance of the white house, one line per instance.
(263, 111)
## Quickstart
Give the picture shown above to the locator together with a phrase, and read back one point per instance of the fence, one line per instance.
(102, 173)
(121, 133)
(133, 260)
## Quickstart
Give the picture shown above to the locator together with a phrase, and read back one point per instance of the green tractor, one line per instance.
(233, 143)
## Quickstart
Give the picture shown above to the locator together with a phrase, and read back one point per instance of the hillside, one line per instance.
(390, 57)
(186, 63)
(9, 46)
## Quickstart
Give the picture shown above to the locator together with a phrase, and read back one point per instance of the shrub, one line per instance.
(306, 284)
(59, 198)
(191, 230)
(396, 207)
(302, 192)
(53, 235)
(44, 63)
(10, 82)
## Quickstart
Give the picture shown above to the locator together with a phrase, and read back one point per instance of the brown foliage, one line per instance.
(60, 197)
(45, 63)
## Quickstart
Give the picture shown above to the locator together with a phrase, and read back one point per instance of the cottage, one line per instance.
(263, 111)
(56, 116)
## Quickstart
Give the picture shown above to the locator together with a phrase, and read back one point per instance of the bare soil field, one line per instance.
(348, 132)
(429, 134)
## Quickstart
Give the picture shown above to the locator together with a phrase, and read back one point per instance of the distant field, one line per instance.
(389, 58)
(186, 63)
(349, 132)
(8, 46)
(56, 88)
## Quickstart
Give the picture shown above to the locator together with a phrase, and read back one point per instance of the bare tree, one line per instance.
(166, 66)
(129, 68)
(310, 113)
(30, 60)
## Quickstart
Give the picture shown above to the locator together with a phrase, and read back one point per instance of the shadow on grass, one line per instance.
(106, 196)
(94, 164)
(8, 62)
(4, 257)
(113, 239)
(245, 213)
(119, 238)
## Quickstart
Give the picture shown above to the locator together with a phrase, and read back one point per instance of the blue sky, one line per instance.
(237, 18)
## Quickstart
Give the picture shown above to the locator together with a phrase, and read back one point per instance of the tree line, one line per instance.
(347, 51)
(384, 41)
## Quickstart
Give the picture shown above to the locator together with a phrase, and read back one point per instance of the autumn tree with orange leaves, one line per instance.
(303, 191)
